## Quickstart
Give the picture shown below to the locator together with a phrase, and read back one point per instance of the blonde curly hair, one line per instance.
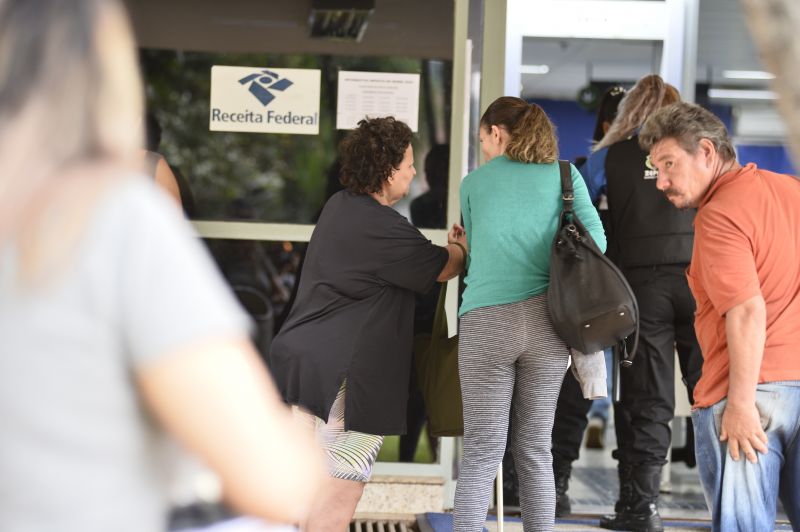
(532, 134)
(648, 95)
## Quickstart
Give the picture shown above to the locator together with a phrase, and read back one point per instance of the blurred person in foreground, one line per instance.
(651, 242)
(510, 360)
(343, 356)
(104, 342)
(745, 276)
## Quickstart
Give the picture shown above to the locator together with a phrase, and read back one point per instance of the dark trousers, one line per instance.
(647, 404)
(570, 421)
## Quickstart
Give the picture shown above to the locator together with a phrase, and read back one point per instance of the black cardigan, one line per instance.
(353, 315)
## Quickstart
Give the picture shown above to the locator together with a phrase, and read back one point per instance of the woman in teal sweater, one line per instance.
(510, 358)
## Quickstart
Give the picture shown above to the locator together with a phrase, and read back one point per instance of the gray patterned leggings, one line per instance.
(509, 359)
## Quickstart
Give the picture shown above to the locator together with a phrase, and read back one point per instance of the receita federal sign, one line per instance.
(264, 100)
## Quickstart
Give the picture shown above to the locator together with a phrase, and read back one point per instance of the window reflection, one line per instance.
(266, 177)
(429, 210)
(262, 275)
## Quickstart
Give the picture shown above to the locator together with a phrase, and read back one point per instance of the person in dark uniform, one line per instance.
(651, 241)
(343, 355)
(572, 409)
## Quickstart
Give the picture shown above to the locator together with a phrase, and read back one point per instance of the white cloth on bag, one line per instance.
(590, 372)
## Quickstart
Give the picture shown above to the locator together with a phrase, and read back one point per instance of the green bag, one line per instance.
(436, 361)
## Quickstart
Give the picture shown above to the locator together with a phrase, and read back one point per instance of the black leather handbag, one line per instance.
(591, 304)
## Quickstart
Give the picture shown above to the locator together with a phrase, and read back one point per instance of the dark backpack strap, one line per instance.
(567, 194)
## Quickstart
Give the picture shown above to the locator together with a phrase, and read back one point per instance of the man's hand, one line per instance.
(746, 331)
(741, 428)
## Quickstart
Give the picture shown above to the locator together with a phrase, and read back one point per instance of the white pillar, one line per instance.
(679, 60)
(493, 60)
(691, 16)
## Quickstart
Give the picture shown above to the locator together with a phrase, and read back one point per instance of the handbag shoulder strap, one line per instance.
(567, 193)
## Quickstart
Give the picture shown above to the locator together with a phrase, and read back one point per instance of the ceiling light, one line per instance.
(740, 94)
(747, 74)
(534, 69)
(343, 20)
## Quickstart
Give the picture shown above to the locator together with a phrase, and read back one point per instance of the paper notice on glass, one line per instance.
(376, 94)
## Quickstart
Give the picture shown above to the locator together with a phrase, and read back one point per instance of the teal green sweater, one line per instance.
(510, 212)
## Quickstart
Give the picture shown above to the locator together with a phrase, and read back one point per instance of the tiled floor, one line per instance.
(444, 523)
(593, 487)
(593, 491)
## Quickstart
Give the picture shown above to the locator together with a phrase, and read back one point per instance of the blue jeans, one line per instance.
(741, 495)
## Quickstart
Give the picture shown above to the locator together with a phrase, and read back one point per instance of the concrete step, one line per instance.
(401, 496)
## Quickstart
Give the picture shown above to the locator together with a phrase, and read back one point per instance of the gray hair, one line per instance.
(687, 123)
(70, 95)
(74, 61)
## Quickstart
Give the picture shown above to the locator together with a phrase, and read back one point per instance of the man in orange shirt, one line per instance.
(745, 277)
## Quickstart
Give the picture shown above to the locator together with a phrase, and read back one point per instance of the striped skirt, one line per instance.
(349, 455)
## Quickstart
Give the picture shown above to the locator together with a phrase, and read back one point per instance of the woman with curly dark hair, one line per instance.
(343, 356)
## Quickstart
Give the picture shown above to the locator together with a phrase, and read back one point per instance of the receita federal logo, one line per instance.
(651, 172)
(261, 83)
(264, 99)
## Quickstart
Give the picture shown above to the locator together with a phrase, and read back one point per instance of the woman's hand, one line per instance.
(457, 253)
(457, 235)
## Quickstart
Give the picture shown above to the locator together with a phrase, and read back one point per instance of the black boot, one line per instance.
(562, 472)
(622, 506)
(640, 513)
(624, 472)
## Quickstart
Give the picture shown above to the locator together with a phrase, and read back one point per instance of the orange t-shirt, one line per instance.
(747, 242)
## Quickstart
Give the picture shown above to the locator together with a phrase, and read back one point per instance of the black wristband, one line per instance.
(463, 250)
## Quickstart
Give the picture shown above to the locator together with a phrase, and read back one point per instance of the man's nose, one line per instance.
(662, 183)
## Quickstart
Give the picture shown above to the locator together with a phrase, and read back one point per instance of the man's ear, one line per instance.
(708, 150)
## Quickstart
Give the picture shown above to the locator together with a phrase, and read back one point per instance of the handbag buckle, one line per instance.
(573, 232)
